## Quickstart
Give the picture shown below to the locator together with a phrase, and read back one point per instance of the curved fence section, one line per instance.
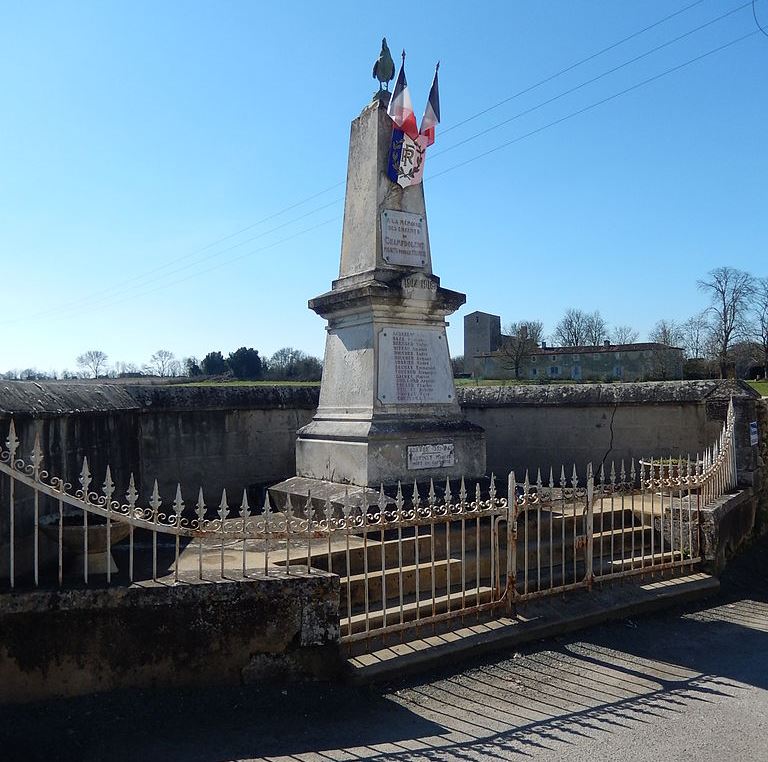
(409, 557)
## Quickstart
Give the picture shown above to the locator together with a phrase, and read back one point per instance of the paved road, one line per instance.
(686, 684)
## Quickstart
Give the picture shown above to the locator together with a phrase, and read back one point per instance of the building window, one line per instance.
(554, 370)
(617, 371)
(533, 372)
(576, 372)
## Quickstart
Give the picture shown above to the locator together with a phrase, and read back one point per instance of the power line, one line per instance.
(139, 280)
(572, 66)
(590, 81)
(482, 155)
(754, 14)
(594, 105)
(111, 302)
(76, 307)
(280, 212)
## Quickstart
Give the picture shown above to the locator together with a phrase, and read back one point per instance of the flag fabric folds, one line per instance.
(400, 107)
(406, 159)
(431, 116)
(409, 143)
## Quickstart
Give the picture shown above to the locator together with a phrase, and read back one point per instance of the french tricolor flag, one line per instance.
(431, 116)
(400, 107)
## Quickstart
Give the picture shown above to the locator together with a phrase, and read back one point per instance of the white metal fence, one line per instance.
(409, 559)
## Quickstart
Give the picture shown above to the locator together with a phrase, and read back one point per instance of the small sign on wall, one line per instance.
(431, 456)
(753, 436)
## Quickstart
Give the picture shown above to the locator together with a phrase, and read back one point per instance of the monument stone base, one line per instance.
(387, 451)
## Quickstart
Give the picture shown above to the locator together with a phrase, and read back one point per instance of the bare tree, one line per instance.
(163, 363)
(457, 365)
(761, 320)
(93, 361)
(731, 292)
(522, 339)
(127, 369)
(665, 363)
(667, 332)
(571, 330)
(694, 334)
(597, 328)
(624, 334)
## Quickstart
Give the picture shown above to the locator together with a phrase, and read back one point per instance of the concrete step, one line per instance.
(355, 585)
(537, 620)
(393, 552)
(413, 609)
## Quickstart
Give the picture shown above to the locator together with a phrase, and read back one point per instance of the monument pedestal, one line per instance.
(388, 411)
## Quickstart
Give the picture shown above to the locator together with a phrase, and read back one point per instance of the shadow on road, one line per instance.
(547, 700)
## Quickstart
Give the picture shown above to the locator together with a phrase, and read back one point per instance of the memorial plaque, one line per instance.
(414, 366)
(403, 238)
(431, 456)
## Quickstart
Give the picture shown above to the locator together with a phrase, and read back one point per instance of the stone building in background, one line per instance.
(485, 357)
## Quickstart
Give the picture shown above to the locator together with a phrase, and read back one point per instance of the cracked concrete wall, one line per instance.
(235, 437)
(530, 427)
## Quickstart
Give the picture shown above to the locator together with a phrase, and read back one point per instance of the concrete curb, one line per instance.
(535, 621)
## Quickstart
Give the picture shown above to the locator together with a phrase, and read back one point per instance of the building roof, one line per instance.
(590, 349)
(587, 349)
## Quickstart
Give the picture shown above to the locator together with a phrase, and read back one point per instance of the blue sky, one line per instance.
(137, 139)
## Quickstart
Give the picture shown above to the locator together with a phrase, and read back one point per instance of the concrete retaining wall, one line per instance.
(82, 641)
(237, 437)
(528, 427)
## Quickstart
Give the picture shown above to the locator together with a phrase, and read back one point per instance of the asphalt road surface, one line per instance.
(690, 683)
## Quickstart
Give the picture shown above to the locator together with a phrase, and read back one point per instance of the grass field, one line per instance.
(491, 382)
(760, 386)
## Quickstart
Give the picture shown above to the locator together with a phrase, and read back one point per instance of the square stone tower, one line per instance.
(388, 410)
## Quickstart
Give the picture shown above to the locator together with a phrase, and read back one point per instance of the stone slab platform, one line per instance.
(534, 621)
(299, 488)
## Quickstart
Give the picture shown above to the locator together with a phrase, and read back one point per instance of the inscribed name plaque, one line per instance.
(403, 238)
(431, 456)
(414, 366)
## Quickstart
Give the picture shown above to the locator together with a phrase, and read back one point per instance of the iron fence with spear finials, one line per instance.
(410, 558)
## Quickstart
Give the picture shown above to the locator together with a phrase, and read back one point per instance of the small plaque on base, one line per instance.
(431, 456)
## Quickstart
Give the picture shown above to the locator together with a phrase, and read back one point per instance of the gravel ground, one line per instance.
(690, 682)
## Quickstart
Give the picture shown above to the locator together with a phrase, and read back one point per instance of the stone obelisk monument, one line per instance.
(388, 410)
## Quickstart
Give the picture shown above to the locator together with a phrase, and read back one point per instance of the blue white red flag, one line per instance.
(431, 116)
(400, 107)
(406, 159)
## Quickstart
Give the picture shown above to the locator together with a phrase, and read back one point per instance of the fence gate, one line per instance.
(410, 560)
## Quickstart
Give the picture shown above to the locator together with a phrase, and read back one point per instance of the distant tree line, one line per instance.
(728, 337)
(245, 363)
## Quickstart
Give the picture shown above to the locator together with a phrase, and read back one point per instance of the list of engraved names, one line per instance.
(415, 369)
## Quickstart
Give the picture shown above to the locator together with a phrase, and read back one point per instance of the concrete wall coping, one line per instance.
(58, 398)
(148, 594)
(582, 395)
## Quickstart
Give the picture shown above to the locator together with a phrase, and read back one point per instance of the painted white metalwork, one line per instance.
(408, 559)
